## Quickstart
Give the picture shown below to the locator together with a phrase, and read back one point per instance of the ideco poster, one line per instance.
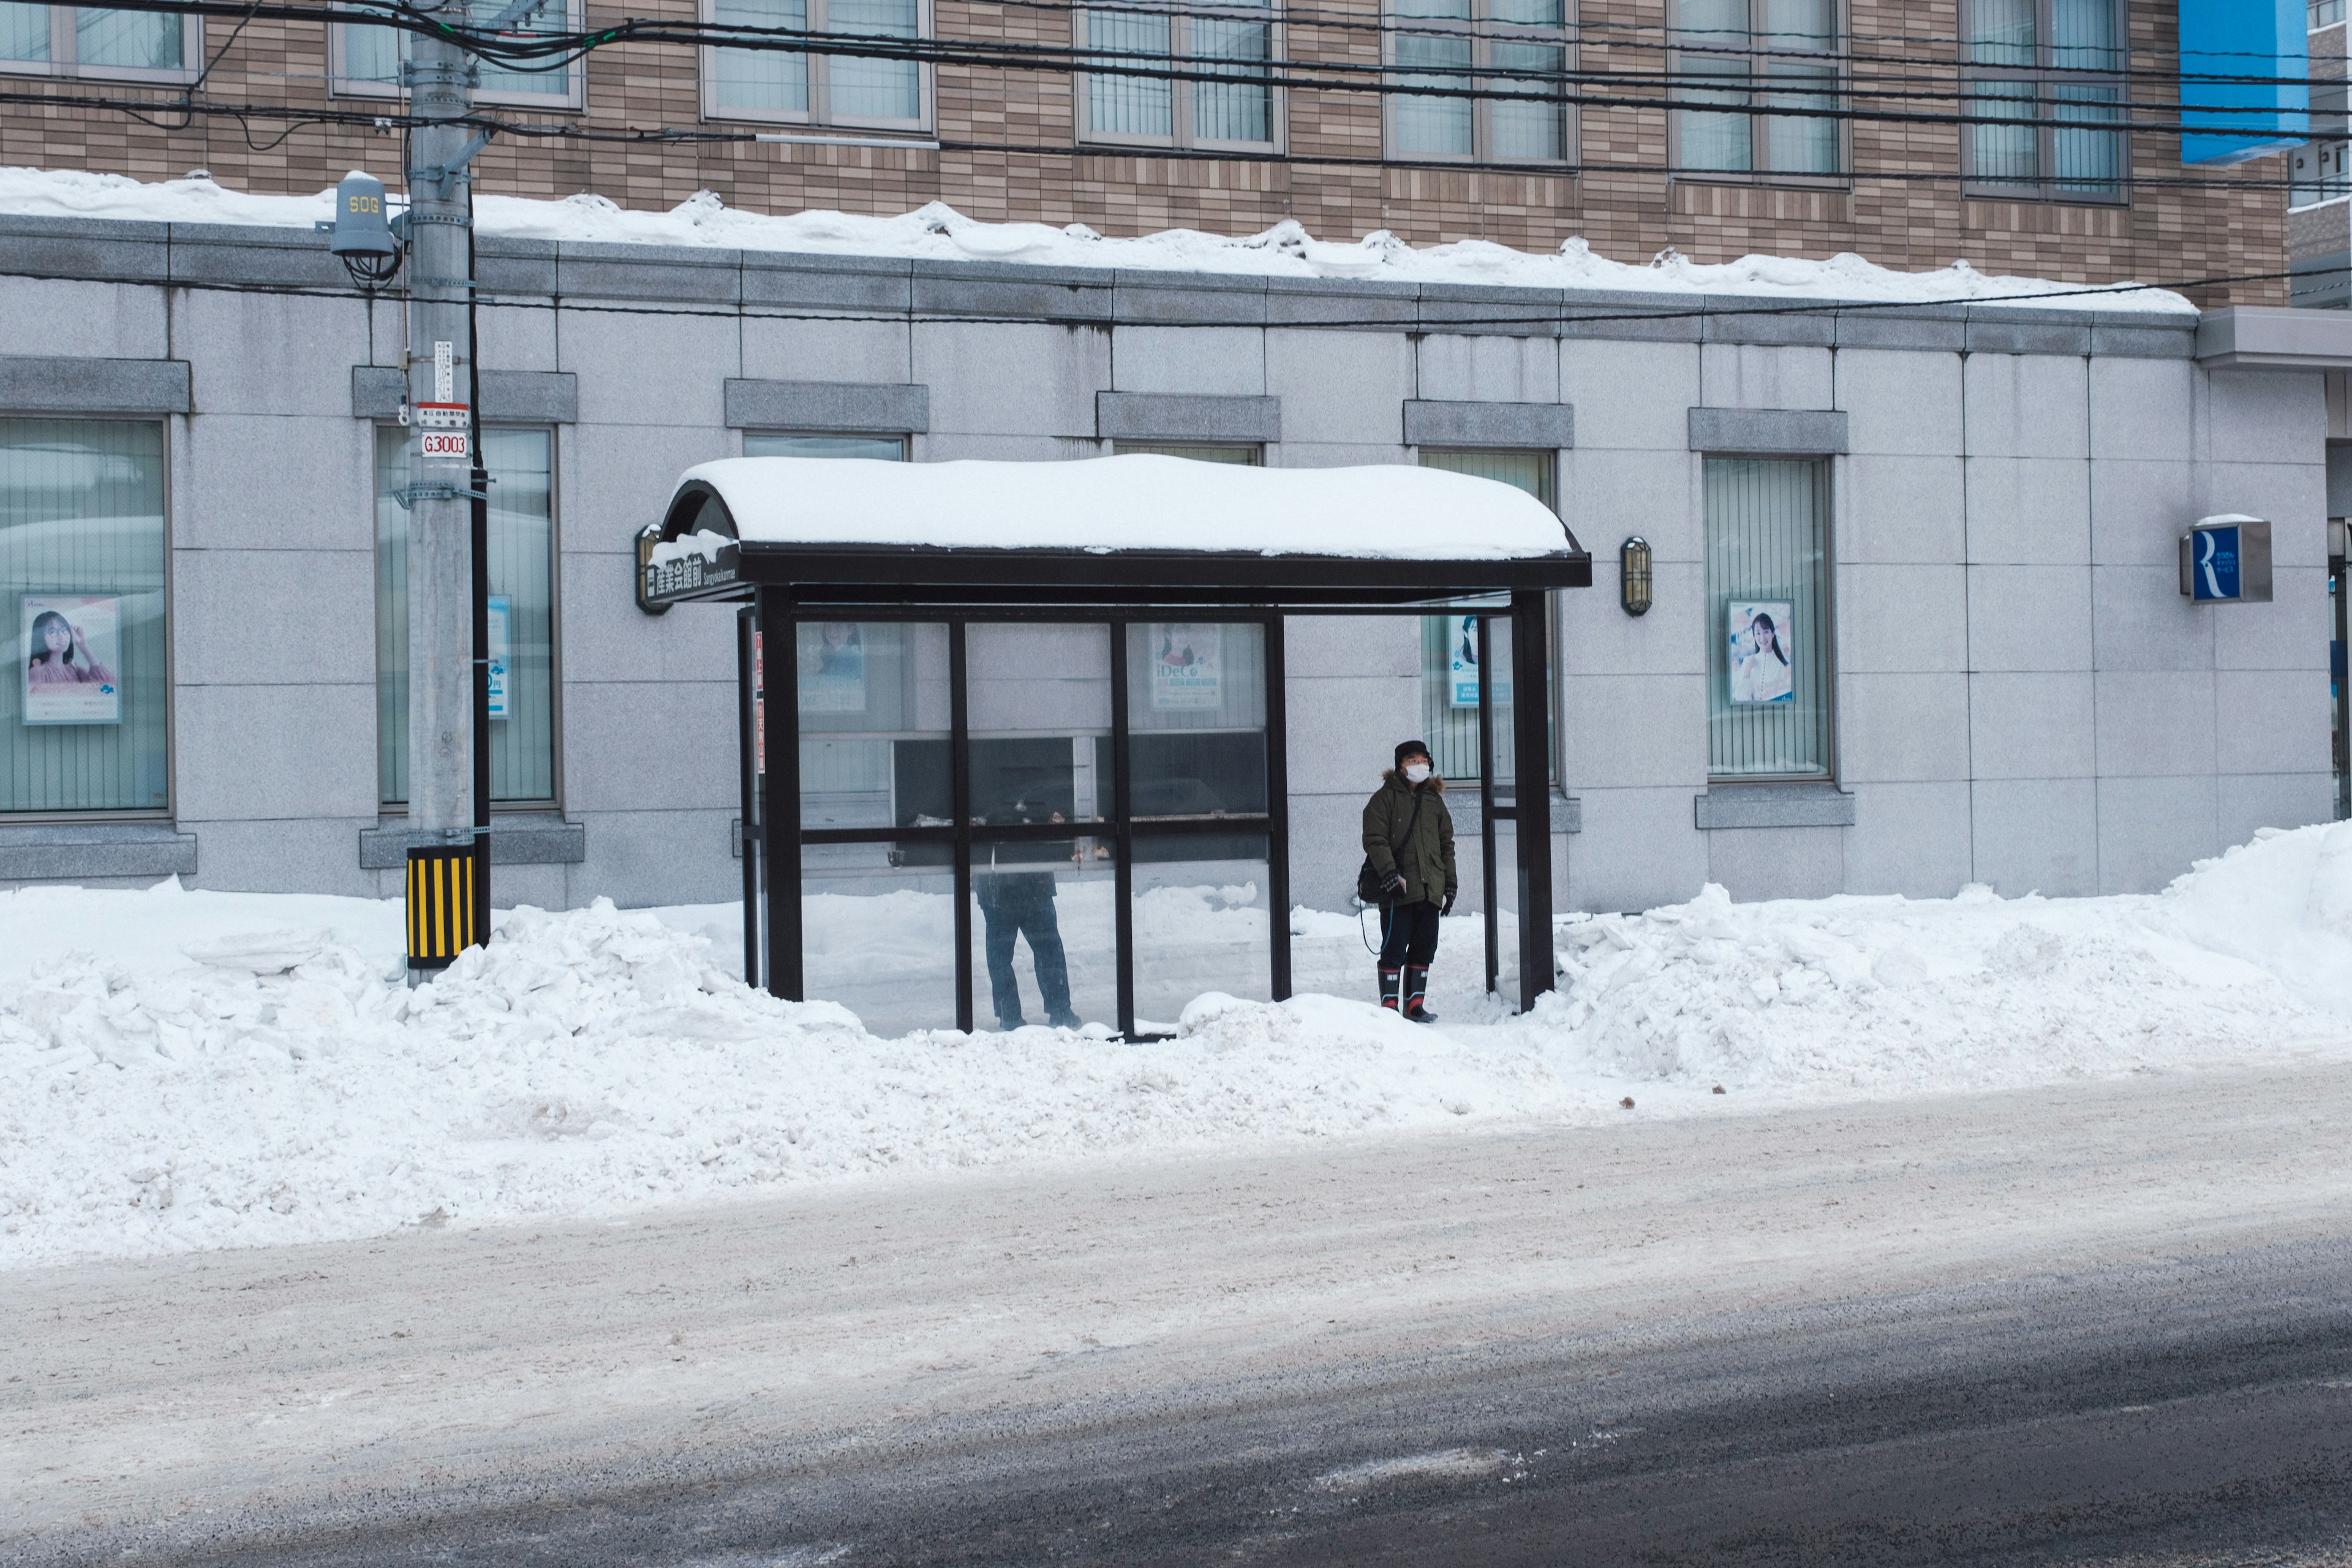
(73, 652)
(1763, 669)
(1187, 666)
(833, 667)
(499, 604)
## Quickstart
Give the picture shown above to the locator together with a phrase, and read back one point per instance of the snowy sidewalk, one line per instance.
(183, 1071)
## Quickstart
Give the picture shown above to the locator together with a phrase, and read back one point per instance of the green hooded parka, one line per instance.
(1426, 858)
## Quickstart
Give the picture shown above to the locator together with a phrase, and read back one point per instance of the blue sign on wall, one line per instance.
(2227, 561)
(2222, 43)
(2213, 562)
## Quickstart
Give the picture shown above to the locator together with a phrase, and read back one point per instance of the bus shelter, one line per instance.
(1030, 757)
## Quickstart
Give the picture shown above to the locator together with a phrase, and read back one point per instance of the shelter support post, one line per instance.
(1277, 802)
(1123, 863)
(780, 825)
(747, 715)
(1531, 751)
(960, 795)
(1489, 919)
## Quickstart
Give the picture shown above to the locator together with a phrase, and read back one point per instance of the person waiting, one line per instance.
(1409, 856)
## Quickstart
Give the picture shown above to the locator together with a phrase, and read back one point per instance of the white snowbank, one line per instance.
(2246, 955)
(185, 1070)
(1134, 503)
(938, 231)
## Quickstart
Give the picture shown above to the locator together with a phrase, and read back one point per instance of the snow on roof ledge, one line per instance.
(1133, 502)
(937, 232)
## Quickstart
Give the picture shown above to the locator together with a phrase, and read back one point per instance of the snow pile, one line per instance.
(2243, 956)
(282, 1087)
(1137, 501)
(936, 231)
(185, 1070)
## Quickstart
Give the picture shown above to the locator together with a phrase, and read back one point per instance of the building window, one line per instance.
(1237, 39)
(2035, 60)
(2319, 171)
(82, 546)
(1775, 56)
(818, 90)
(2325, 13)
(765, 444)
(1446, 44)
(137, 46)
(1198, 451)
(1768, 680)
(367, 59)
(523, 616)
(1449, 672)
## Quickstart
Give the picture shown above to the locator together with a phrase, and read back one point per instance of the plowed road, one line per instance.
(2101, 1323)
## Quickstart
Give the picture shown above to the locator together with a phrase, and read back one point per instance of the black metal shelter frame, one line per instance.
(789, 583)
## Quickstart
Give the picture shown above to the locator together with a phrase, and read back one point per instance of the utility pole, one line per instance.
(443, 871)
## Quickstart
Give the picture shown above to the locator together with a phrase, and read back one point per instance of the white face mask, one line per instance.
(1416, 772)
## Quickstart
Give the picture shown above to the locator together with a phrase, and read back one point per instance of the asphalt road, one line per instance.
(2184, 1414)
(2106, 1325)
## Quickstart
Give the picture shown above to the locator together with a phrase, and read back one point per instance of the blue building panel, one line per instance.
(2244, 66)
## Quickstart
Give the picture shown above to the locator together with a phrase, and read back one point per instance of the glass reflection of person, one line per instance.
(1760, 672)
(1021, 904)
(62, 655)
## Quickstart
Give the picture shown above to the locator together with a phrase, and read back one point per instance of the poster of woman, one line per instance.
(1761, 668)
(72, 649)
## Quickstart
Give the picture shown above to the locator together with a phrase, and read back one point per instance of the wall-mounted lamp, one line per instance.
(1633, 575)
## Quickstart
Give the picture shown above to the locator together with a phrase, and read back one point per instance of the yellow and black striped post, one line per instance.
(440, 904)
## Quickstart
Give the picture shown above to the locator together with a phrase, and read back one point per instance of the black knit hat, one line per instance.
(1411, 748)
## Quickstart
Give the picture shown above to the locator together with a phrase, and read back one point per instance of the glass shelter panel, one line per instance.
(1045, 932)
(1203, 922)
(873, 724)
(878, 932)
(1196, 719)
(81, 570)
(1044, 925)
(1039, 710)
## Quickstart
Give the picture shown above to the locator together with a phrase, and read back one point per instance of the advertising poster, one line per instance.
(499, 604)
(1763, 661)
(1462, 661)
(73, 650)
(1462, 672)
(833, 667)
(1187, 666)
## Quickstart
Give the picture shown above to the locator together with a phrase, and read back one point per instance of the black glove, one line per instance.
(1394, 885)
(1447, 908)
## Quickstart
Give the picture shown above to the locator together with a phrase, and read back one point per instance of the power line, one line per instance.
(294, 118)
(1380, 81)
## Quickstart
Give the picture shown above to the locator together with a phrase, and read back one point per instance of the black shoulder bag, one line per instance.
(1367, 880)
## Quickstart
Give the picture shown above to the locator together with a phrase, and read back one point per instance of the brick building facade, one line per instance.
(1010, 144)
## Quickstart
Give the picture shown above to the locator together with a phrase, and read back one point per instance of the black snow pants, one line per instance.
(1409, 934)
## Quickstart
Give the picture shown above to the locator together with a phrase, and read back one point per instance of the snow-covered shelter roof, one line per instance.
(1113, 529)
